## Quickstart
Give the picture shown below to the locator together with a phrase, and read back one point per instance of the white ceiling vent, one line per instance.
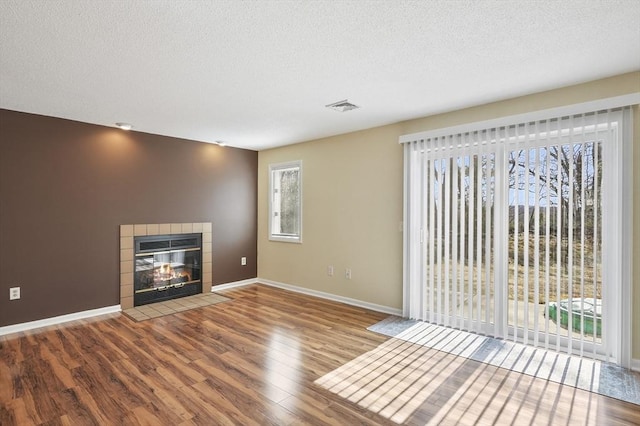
(342, 106)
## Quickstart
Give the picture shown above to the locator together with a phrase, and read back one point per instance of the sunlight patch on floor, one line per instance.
(408, 382)
(584, 373)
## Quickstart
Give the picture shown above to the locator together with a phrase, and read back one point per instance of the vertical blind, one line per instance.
(510, 231)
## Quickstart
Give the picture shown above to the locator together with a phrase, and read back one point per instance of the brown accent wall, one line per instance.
(65, 187)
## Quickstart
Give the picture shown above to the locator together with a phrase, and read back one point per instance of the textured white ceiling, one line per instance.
(257, 74)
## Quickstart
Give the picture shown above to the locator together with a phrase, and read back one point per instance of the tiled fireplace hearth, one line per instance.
(127, 234)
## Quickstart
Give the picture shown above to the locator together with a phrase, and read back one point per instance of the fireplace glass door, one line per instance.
(167, 267)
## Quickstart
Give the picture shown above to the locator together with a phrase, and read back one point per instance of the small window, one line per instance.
(285, 202)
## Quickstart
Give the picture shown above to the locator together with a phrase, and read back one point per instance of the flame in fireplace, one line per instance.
(167, 273)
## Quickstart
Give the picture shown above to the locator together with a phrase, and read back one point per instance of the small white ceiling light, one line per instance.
(220, 143)
(342, 106)
(124, 126)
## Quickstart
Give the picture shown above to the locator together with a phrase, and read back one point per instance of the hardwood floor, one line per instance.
(256, 360)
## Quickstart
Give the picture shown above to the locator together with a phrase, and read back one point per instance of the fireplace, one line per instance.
(129, 234)
(166, 267)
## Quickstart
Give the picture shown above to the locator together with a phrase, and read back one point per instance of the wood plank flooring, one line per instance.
(254, 361)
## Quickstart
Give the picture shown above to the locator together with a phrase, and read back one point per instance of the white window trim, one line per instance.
(625, 176)
(278, 166)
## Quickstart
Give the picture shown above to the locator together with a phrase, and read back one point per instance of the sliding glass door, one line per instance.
(459, 228)
(511, 232)
(555, 281)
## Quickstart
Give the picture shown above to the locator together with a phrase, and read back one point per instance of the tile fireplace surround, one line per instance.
(127, 232)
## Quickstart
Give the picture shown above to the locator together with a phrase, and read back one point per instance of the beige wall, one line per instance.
(352, 200)
(352, 209)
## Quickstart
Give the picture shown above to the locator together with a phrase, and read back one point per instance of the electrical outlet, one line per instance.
(330, 270)
(243, 261)
(347, 273)
(14, 293)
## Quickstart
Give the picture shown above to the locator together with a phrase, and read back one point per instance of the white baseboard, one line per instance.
(16, 328)
(333, 297)
(635, 364)
(234, 284)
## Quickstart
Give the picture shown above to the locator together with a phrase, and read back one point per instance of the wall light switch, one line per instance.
(243, 261)
(330, 270)
(14, 293)
(347, 273)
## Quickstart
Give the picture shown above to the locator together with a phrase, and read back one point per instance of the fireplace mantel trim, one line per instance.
(127, 232)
